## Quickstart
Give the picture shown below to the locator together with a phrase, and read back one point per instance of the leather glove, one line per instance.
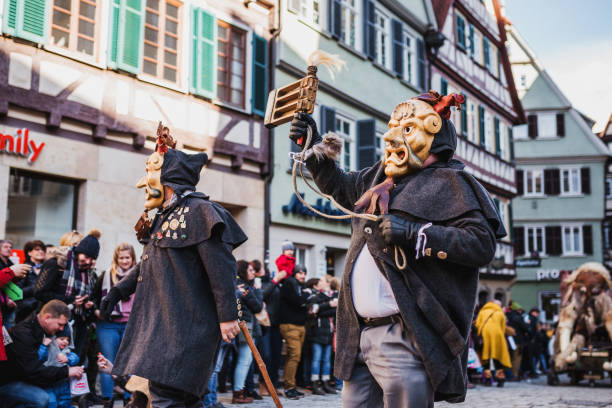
(299, 129)
(397, 230)
(108, 303)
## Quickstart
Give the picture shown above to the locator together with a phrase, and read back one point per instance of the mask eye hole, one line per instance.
(407, 130)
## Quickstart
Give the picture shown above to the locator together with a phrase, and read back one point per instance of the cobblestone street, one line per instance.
(516, 395)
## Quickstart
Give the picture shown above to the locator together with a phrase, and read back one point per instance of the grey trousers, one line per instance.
(388, 373)
(163, 396)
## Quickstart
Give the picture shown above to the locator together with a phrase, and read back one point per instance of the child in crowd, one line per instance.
(55, 352)
(286, 261)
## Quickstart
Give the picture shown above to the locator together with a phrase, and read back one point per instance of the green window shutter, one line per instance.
(487, 59)
(260, 68)
(481, 125)
(27, 19)
(443, 86)
(204, 54)
(497, 137)
(130, 36)
(511, 141)
(10, 17)
(113, 39)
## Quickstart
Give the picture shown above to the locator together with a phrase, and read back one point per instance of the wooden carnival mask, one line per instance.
(412, 127)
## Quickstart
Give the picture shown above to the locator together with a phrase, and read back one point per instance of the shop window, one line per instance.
(301, 255)
(570, 181)
(40, 207)
(550, 305)
(382, 28)
(344, 129)
(73, 25)
(534, 181)
(161, 39)
(231, 72)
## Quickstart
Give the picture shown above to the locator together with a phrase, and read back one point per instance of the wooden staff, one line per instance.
(260, 364)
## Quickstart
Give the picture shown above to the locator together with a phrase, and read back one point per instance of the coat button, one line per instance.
(442, 255)
(367, 230)
(140, 279)
(145, 257)
(385, 250)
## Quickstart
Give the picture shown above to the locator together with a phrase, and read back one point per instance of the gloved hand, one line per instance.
(299, 129)
(397, 230)
(108, 303)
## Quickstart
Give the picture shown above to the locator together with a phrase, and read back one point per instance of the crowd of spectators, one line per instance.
(54, 333)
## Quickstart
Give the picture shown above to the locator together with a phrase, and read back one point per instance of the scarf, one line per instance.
(124, 306)
(75, 282)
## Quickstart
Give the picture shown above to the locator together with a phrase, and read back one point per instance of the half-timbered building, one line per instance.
(83, 85)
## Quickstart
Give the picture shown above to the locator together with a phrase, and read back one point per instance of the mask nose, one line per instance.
(142, 182)
(392, 134)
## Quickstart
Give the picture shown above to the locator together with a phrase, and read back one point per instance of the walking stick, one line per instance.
(260, 364)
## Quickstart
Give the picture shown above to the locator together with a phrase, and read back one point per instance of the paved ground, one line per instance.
(516, 395)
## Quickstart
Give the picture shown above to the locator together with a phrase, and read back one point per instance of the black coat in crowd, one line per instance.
(29, 303)
(320, 326)
(250, 304)
(515, 320)
(435, 293)
(293, 302)
(23, 363)
(271, 297)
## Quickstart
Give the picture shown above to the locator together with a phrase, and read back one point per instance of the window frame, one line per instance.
(503, 140)
(472, 121)
(478, 47)
(161, 44)
(308, 6)
(409, 54)
(302, 248)
(573, 227)
(351, 139)
(345, 9)
(382, 58)
(575, 185)
(73, 33)
(461, 44)
(489, 132)
(543, 119)
(245, 73)
(533, 193)
(534, 228)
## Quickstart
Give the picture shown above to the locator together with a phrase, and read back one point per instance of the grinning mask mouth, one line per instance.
(412, 127)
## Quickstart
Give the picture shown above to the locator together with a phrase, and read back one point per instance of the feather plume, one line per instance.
(331, 146)
(332, 62)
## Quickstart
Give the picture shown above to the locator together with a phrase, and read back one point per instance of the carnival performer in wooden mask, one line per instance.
(403, 330)
(184, 286)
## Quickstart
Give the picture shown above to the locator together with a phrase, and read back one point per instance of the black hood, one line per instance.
(181, 171)
(445, 141)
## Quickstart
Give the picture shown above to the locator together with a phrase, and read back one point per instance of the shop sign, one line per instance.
(296, 207)
(550, 274)
(21, 145)
(526, 263)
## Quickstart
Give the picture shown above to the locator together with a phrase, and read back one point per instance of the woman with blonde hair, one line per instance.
(110, 332)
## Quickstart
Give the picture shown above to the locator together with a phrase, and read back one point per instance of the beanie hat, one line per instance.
(90, 245)
(515, 306)
(299, 268)
(65, 332)
(287, 245)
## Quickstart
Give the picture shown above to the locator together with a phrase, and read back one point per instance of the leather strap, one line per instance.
(380, 321)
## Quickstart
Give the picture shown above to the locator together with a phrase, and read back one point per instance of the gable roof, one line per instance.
(544, 81)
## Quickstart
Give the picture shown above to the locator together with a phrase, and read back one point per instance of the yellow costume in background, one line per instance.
(491, 324)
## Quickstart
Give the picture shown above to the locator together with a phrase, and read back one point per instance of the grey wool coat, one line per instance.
(184, 286)
(436, 293)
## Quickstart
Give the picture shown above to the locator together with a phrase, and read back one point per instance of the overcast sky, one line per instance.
(572, 39)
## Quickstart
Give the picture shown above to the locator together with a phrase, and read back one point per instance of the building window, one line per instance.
(534, 182)
(503, 210)
(349, 23)
(472, 122)
(489, 144)
(547, 125)
(344, 129)
(73, 25)
(460, 26)
(231, 64)
(478, 57)
(161, 39)
(535, 241)
(493, 66)
(309, 10)
(503, 141)
(39, 206)
(410, 59)
(301, 255)
(570, 181)
(382, 28)
(572, 240)
(380, 146)
(608, 187)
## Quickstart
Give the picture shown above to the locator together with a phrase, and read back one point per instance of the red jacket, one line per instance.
(285, 263)
(6, 275)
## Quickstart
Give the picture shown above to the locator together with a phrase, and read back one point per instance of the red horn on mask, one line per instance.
(442, 103)
(164, 139)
